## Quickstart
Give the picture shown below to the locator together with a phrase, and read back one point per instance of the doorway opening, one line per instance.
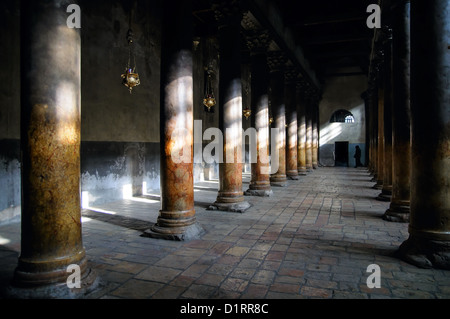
(341, 154)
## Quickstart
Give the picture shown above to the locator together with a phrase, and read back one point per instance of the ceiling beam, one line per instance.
(335, 39)
(337, 18)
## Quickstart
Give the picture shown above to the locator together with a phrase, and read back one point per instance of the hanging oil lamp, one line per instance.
(209, 100)
(130, 78)
(247, 112)
(270, 113)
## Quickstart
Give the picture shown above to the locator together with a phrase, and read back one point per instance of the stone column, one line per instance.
(277, 61)
(51, 230)
(374, 87)
(291, 117)
(380, 139)
(386, 192)
(301, 132)
(373, 93)
(309, 137)
(230, 196)
(401, 140)
(428, 244)
(260, 180)
(176, 220)
(365, 97)
(315, 134)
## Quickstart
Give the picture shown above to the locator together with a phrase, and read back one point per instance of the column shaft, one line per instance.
(401, 137)
(260, 181)
(386, 192)
(309, 137)
(291, 116)
(51, 231)
(380, 139)
(428, 244)
(301, 133)
(315, 137)
(230, 196)
(176, 220)
(277, 84)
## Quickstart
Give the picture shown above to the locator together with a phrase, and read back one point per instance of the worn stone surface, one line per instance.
(313, 239)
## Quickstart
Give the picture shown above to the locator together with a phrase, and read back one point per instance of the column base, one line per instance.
(378, 185)
(239, 207)
(90, 284)
(278, 181)
(397, 213)
(292, 175)
(259, 192)
(302, 172)
(425, 253)
(186, 233)
(386, 194)
(384, 197)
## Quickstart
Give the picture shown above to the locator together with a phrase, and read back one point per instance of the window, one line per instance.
(349, 119)
(342, 116)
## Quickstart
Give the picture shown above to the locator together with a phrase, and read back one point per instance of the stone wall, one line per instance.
(342, 93)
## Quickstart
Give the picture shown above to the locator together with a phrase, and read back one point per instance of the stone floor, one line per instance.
(312, 239)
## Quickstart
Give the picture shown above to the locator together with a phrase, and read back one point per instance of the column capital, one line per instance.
(228, 12)
(276, 60)
(291, 75)
(395, 4)
(258, 41)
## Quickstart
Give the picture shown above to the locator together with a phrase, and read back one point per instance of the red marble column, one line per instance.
(401, 137)
(386, 191)
(51, 234)
(428, 244)
(315, 135)
(231, 195)
(277, 62)
(260, 180)
(373, 95)
(380, 140)
(309, 137)
(301, 132)
(291, 117)
(176, 220)
(373, 116)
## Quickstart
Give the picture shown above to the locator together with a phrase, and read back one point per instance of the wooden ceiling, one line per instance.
(332, 34)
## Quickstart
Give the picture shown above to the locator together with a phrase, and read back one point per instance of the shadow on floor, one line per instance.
(127, 222)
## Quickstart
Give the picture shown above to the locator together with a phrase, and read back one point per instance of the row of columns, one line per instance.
(409, 102)
(50, 137)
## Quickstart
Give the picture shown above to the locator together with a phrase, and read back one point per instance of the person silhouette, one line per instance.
(357, 156)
